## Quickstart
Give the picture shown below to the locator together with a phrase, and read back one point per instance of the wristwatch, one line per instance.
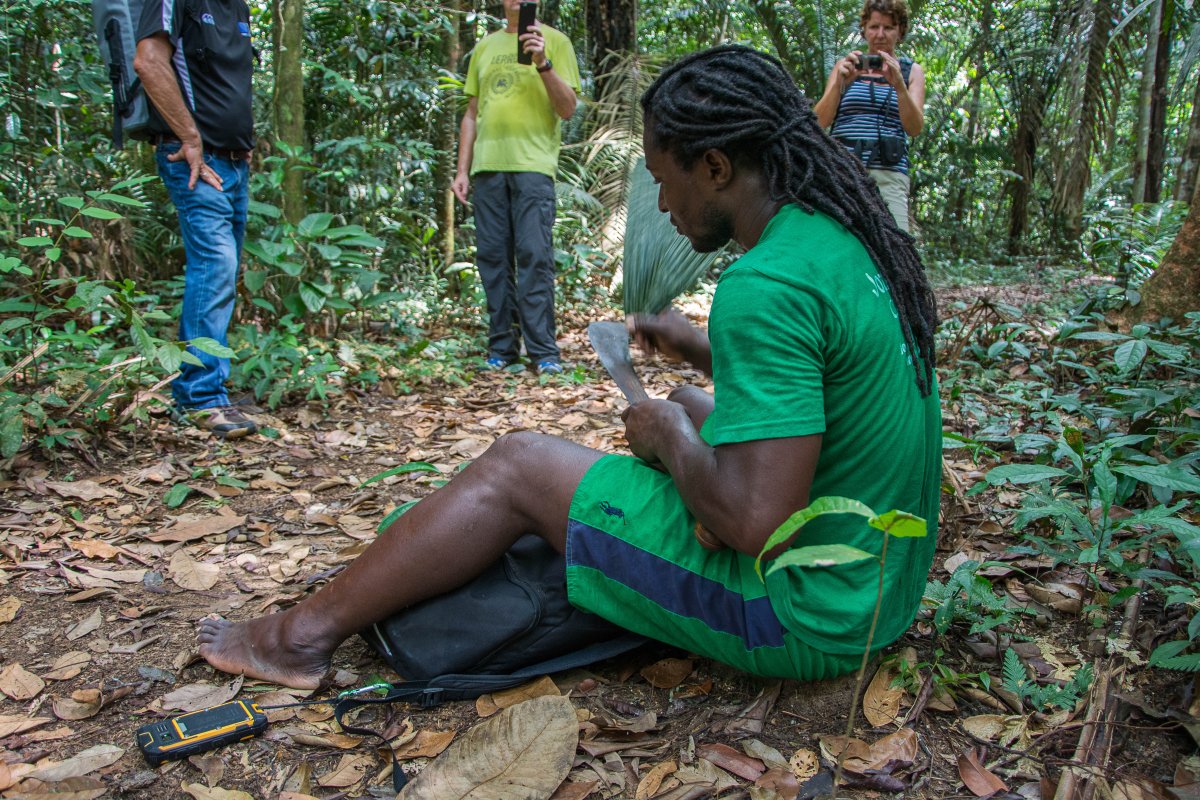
(546, 67)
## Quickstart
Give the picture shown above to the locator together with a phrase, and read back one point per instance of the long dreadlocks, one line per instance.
(743, 103)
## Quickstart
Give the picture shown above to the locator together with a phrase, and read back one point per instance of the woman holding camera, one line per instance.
(876, 100)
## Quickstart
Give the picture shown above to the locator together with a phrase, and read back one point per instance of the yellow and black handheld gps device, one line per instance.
(200, 731)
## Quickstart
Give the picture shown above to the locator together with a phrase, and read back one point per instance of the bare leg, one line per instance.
(699, 403)
(522, 484)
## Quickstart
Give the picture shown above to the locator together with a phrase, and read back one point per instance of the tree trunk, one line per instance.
(1073, 182)
(1189, 159)
(287, 104)
(612, 27)
(1145, 101)
(1174, 288)
(447, 145)
(1024, 151)
(958, 202)
(1156, 146)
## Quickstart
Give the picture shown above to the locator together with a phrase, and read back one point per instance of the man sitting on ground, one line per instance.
(820, 347)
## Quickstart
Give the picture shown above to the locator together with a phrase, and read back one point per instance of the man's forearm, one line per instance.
(466, 143)
(562, 96)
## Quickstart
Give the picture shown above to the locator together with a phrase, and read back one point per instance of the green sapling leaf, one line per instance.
(819, 556)
(817, 508)
(412, 466)
(900, 524)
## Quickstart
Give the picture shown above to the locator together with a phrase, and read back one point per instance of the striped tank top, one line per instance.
(868, 110)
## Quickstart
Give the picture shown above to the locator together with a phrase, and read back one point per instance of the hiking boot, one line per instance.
(224, 422)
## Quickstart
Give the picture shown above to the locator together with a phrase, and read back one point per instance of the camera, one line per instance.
(870, 61)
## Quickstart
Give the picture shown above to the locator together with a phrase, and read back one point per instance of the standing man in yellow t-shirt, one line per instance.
(509, 142)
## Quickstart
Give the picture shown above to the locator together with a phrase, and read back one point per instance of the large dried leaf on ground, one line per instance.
(202, 792)
(350, 770)
(9, 607)
(82, 704)
(894, 751)
(11, 724)
(881, 703)
(523, 753)
(191, 574)
(652, 781)
(89, 760)
(426, 744)
(781, 782)
(19, 683)
(978, 778)
(68, 665)
(81, 490)
(731, 760)
(189, 527)
(197, 696)
(85, 626)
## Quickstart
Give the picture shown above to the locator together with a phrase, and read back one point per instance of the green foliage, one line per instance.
(894, 523)
(1041, 697)
(1129, 243)
(967, 597)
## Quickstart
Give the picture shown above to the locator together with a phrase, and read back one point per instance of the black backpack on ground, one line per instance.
(507, 626)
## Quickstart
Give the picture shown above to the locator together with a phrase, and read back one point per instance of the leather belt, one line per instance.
(227, 153)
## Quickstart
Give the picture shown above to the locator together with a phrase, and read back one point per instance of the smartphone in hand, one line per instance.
(527, 17)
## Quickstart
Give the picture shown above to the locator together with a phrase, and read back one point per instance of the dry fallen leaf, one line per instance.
(804, 764)
(82, 490)
(201, 792)
(11, 724)
(190, 574)
(489, 704)
(881, 703)
(652, 781)
(426, 744)
(780, 781)
(731, 760)
(82, 704)
(68, 666)
(189, 527)
(86, 626)
(522, 753)
(197, 696)
(349, 770)
(667, 673)
(89, 760)
(9, 607)
(19, 683)
(977, 778)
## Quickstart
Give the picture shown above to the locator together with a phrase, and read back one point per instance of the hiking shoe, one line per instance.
(548, 366)
(496, 363)
(225, 422)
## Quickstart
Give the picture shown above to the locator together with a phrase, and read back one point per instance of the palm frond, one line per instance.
(659, 263)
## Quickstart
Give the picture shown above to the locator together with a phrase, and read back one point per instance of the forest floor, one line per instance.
(102, 583)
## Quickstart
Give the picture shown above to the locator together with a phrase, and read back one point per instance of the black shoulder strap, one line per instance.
(906, 65)
(445, 688)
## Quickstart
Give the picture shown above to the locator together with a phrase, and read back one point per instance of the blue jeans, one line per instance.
(212, 224)
(514, 222)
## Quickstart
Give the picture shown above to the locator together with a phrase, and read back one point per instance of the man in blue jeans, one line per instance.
(195, 60)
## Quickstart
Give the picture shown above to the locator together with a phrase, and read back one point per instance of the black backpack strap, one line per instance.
(906, 65)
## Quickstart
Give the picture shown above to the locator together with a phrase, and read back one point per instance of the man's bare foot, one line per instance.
(263, 648)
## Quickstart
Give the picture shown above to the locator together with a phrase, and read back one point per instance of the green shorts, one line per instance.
(632, 558)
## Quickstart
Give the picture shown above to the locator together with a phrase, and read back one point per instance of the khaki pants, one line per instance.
(894, 188)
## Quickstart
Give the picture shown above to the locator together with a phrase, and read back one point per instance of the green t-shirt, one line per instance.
(516, 127)
(805, 340)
